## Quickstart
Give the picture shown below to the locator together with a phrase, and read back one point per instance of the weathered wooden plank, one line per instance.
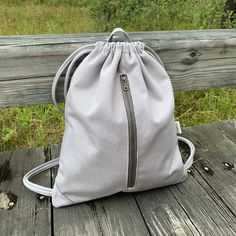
(194, 60)
(166, 38)
(216, 158)
(203, 204)
(20, 93)
(163, 213)
(114, 215)
(29, 215)
(190, 208)
(228, 129)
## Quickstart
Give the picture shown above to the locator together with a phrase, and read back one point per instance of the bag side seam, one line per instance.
(63, 195)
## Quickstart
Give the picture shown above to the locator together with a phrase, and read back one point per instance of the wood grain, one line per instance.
(195, 59)
(189, 208)
(216, 158)
(205, 203)
(29, 215)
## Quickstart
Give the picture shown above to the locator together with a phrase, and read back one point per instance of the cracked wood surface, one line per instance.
(203, 205)
(194, 59)
(29, 215)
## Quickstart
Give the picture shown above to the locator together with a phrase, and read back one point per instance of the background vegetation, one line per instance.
(42, 125)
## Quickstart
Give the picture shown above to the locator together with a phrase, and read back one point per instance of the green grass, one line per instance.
(206, 106)
(30, 126)
(39, 125)
(28, 18)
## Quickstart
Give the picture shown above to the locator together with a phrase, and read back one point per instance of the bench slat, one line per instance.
(116, 215)
(216, 159)
(205, 203)
(164, 214)
(196, 59)
(30, 216)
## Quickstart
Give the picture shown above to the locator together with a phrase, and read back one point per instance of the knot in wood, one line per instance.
(192, 57)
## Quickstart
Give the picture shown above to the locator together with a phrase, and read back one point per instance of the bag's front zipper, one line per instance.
(132, 165)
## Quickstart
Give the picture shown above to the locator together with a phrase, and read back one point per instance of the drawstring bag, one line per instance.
(120, 132)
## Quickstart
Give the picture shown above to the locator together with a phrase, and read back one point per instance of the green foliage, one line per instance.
(230, 21)
(113, 13)
(46, 2)
(57, 2)
(147, 15)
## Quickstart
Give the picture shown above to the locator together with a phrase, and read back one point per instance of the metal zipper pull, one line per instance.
(123, 77)
(125, 82)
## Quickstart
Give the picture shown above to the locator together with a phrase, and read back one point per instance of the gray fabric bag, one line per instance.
(120, 132)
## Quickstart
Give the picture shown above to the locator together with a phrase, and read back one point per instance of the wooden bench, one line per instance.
(205, 204)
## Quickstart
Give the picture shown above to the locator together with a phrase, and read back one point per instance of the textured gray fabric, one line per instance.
(94, 153)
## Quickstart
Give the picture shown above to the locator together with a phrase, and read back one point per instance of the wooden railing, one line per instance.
(197, 59)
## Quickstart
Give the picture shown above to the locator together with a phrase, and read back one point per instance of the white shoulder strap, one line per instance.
(189, 161)
(119, 30)
(35, 187)
(70, 61)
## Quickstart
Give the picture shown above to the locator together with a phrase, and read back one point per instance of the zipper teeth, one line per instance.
(132, 165)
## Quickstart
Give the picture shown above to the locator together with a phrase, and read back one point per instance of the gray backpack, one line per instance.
(120, 132)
